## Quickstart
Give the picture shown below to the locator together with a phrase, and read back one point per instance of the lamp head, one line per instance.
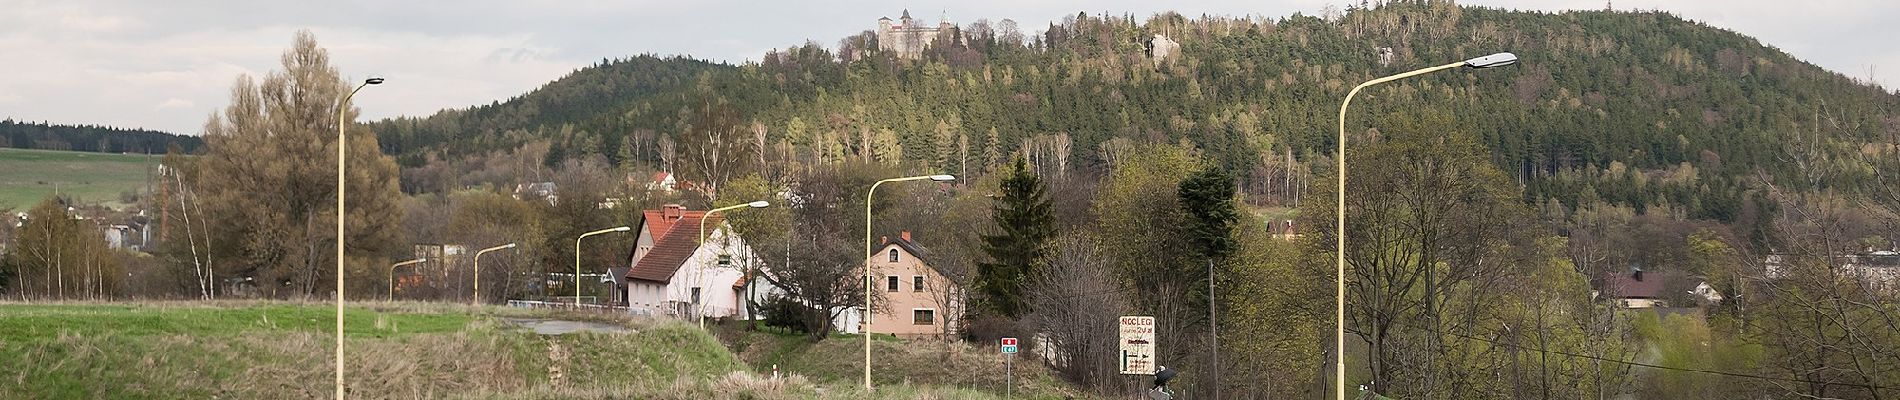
(759, 204)
(508, 246)
(943, 178)
(622, 229)
(373, 80)
(1494, 60)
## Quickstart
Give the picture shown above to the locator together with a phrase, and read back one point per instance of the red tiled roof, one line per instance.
(659, 177)
(674, 241)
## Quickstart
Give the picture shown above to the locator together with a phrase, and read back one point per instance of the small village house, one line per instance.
(671, 273)
(919, 301)
(1635, 289)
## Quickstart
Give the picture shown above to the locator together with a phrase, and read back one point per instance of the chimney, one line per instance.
(884, 240)
(672, 212)
(905, 235)
(1637, 275)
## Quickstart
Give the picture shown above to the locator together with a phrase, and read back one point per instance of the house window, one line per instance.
(923, 316)
(893, 255)
(917, 283)
(695, 295)
(725, 261)
(891, 283)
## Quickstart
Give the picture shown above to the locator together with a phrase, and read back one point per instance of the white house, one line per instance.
(671, 273)
(662, 182)
(1707, 292)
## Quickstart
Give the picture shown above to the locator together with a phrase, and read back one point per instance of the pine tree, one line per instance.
(991, 150)
(1025, 217)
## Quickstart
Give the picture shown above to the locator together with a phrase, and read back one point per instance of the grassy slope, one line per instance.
(395, 350)
(839, 360)
(27, 176)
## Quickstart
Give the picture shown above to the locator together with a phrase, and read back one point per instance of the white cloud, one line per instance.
(98, 23)
(174, 103)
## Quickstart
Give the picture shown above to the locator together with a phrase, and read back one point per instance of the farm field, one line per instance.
(27, 176)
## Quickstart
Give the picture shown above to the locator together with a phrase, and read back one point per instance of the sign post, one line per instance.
(1137, 345)
(1009, 366)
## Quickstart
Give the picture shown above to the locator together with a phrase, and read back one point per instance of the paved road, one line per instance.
(561, 327)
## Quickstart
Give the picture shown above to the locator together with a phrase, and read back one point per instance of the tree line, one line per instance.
(90, 138)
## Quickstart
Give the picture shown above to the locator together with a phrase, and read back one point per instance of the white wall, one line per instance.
(718, 297)
(847, 321)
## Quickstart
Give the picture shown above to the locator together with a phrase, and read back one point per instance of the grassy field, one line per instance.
(395, 350)
(839, 360)
(27, 176)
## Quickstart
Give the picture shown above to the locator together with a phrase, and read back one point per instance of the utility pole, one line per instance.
(1213, 327)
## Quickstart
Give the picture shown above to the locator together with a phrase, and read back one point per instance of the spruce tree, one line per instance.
(1208, 198)
(1026, 225)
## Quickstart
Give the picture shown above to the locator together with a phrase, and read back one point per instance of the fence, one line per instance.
(677, 310)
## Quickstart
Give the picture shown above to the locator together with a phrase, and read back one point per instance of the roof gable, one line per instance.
(674, 242)
(910, 248)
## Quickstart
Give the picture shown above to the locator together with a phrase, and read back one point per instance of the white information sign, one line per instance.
(1138, 345)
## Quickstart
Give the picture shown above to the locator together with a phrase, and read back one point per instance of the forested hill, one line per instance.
(104, 139)
(592, 99)
(1631, 108)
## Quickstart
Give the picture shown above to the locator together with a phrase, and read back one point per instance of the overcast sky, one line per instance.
(168, 64)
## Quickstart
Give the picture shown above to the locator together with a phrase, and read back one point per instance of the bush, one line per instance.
(990, 328)
(785, 313)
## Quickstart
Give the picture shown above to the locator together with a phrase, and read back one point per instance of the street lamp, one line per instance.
(577, 259)
(342, 106)
(865, 318)
(392, 275)
(1339, 312)
(702, 242)
(478, 270)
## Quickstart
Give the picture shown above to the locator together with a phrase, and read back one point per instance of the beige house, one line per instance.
(918, 300)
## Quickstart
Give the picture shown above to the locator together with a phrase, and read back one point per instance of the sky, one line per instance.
(168, 65)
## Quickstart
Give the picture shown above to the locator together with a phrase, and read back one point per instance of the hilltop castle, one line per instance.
(907, 38)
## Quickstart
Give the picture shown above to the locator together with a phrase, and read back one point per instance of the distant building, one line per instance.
(908, 38)
(662, 182)
(1707, 293)
(121, 236)
(537, 190)
(1635, 289)
(1879, 269)
(441, 259)
(1160, 49)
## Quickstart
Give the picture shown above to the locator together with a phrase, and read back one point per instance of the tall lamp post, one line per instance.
(577, 259)
(702, 240)
(392, 275)
(478, 270)
(342, 148)
(865, 319)
(1339, 312)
